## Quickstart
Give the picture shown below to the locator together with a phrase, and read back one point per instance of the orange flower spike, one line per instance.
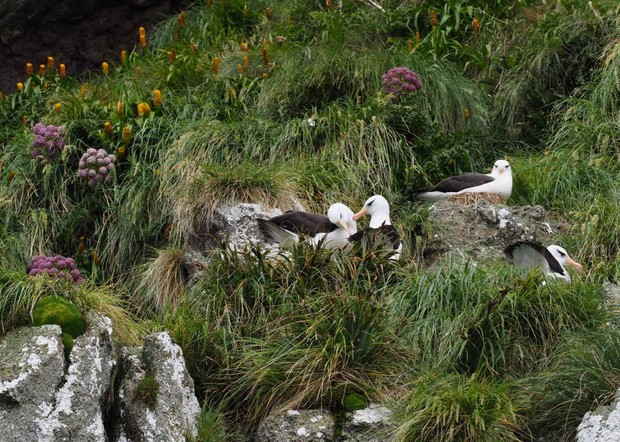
(143, 41)
(268, 13)
(24, 120)
(147, 109)
(138, 71)
(476, 26)
(108, 129)
(123, 57)
(216, 66)
(140, 110)
(433, 18)
(244, 46)
(329, 4)
(41, 70)
(141, 31)
(81, 246)
(246, 62)
(95, 257)
(467, 115)
(105, 68)
(126, 136)
(239, 69)
(82, 91)
(231, 94)
(121, 150)
(10, 176)
(192, 47)
(62, 71)
(20, 86)
(417, 38)
(29, 69)
(57, 108)
(120, 107)
(409, 45)
(50, 64)
(181, 19)
(265, 56)
(157, 98)
(172, 56)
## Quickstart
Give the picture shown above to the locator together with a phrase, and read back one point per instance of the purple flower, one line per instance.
(56, 267)
(48, 140)
(95, 166)
(399, 80)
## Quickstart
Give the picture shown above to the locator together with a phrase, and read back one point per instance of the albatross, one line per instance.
(499, 181)
(527, 255)
(381, 229)
(331, 231)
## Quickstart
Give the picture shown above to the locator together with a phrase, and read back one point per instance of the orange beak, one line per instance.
(361, 213)
(574, 264)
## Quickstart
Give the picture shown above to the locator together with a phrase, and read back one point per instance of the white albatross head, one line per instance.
(379, 210)
(342, 216)
(501, 168)
(561, 256)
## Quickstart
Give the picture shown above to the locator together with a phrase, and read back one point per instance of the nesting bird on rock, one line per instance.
(381, 230)
(528, 255)
(331, 231)
(499, 181)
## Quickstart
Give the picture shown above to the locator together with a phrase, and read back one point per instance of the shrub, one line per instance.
(58, 310)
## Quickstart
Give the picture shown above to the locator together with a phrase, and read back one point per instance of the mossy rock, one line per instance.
(60, 311)
(147, 391)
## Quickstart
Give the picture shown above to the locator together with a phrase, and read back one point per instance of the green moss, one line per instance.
(147, 391)
(60, 311)
(67, 341)
(354, 401)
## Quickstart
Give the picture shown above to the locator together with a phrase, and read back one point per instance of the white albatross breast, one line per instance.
(381, 230)
(331, 231)
(499, 181)
(528, 255)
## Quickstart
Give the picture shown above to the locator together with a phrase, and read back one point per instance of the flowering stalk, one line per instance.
(50, 64)
(265, 56)
(120, 107)
(181, 19)
(140, 107)
(29, 69)
(24, 120)
(467, 115)
(126, 135)
(244, 46)
(108, 129)
(105, 68)
(62, 71)
(20, 86)
(124, 57)
(476, 25)
(246, 62)
(192, 47)
(138, 71)
(216, 65)
(409, 45)
(57, 108)
(239, 69)
(41, 70)
(417, 38)
(172, 56)
(268, 13)
(433, 18)
(121, 151)
(157, 98)
(231, 94)
(82, 91)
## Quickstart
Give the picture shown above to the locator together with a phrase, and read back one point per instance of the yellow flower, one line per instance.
(476, 25)
(417, 38)
(82, 91)
(433, 18)
(147, 109)
(119, 108)
(62, 71)
(171, 56)
(244, 46)
(29, 69)
(126, 135)
(50, 64)
(467, 115)
(41, 70)
(140, 110)
(123, 56)
(20, 86)
(231, 94)
(409, 45)
(121, 150)
(216, 65)
(246, 62)
(239, 69)
(57, 107)
(181, 20)
(108, 129)
(157, 98)
(105, 67)
(143, 41)
(138, 71)
(142, 31)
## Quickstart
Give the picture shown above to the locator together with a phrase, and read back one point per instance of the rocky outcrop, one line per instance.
(297, 426)
(481, 231)
(602, 424)
(47, 398)
(372, 424)
(31, 368)
(172, 408)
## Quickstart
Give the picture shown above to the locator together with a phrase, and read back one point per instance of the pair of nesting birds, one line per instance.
(524, 254)
(336, 230)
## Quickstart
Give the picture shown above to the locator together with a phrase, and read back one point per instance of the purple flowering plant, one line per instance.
(96, 166)
(56, 267)
(400, 80)
(48, 140)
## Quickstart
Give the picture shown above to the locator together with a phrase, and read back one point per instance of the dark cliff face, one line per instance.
(79, 33)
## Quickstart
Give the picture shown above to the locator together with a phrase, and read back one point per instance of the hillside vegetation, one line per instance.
(280, 102)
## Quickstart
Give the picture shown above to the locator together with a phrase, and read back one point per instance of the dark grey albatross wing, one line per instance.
(301, 223)
(543, 254)
(458, 183)
(385, 234)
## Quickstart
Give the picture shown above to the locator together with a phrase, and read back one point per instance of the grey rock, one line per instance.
(372, 424)
(602, 424)
(297, 426)
(481, 231)
(31, 367)
(176, 409)
(78, 412)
